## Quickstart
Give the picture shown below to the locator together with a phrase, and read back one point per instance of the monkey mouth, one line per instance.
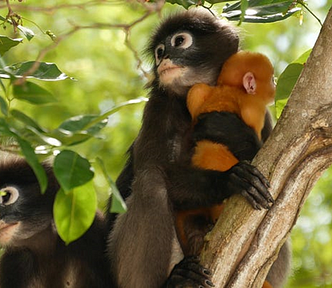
(168, 72)
(7, 232)
(6, 226)
(167, 69)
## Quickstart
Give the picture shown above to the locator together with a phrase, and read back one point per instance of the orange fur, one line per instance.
(267, 285)
(229, 95)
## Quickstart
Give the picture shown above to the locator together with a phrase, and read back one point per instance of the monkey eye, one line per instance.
(159, 52)
(8, 195)
(182, 40)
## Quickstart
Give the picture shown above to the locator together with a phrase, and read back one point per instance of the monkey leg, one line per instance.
(142, 255)
(213, 156)
(267, 285)
(192, 226)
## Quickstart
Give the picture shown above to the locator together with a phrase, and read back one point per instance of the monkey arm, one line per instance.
(196, 97)
(192, 188)
(227, 128)
(123, 183)
(125, 179)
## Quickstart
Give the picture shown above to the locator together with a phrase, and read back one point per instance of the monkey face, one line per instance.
(175, 46)
(24, 211)
(190, 48)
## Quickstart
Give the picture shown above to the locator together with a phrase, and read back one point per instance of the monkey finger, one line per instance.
(253, 197)
(255, 178)
(260, 191)
(253, 170)
(189, 273)
(252, 189)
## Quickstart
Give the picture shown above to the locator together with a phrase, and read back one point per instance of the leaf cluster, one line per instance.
(76, 202)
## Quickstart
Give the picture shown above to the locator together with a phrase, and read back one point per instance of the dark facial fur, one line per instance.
(199, 58)
(34, 255)
(23, 210)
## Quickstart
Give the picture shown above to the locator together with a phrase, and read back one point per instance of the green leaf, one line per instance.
(70, 139)
(28, 33)
(32, 160)
(7, 43)
(83, 123)
(33, 69)
(303, 58)
(279, 106)
(287, 80)
(3, 106)
(33, 93)
(244, 7)
(74, 211)
(81, 128)
(285, 85)
(72, 170)
(26, 119)
(118, 107)
(260, 11)
(4, 128)
(118, 204)
(185, 3)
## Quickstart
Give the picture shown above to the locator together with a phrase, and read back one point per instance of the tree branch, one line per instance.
(242, 247)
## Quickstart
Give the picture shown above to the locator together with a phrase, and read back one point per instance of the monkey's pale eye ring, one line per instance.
(8, 195)
(159, 53)
(182, 40)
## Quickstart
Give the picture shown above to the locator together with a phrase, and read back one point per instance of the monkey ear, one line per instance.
(249, 83)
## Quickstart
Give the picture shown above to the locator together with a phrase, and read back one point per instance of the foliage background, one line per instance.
(107, 73)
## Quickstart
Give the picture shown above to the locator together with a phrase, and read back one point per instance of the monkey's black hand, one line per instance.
(246, 180)
(189, 274)
(227, 128)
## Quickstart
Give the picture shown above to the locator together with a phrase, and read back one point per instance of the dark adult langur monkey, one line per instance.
(34, 255)
(188, 48)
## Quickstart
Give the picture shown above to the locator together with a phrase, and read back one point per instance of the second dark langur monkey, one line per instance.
(34, 255)
(158, 178)
(244, 87)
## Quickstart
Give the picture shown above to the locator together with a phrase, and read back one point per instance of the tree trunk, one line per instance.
(244, 244)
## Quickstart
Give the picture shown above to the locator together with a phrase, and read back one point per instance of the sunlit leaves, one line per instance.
(185, 3)
(76, 203)
(3, 106)
(7, 43)
(33, 93)
(118, 205)
(256, 11)
(74, 211)
(72, 170)
(260, 11)
(32, 159)
(33, 69)
(287, 81)
(28, 33)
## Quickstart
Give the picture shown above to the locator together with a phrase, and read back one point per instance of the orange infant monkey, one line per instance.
(244, 87)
